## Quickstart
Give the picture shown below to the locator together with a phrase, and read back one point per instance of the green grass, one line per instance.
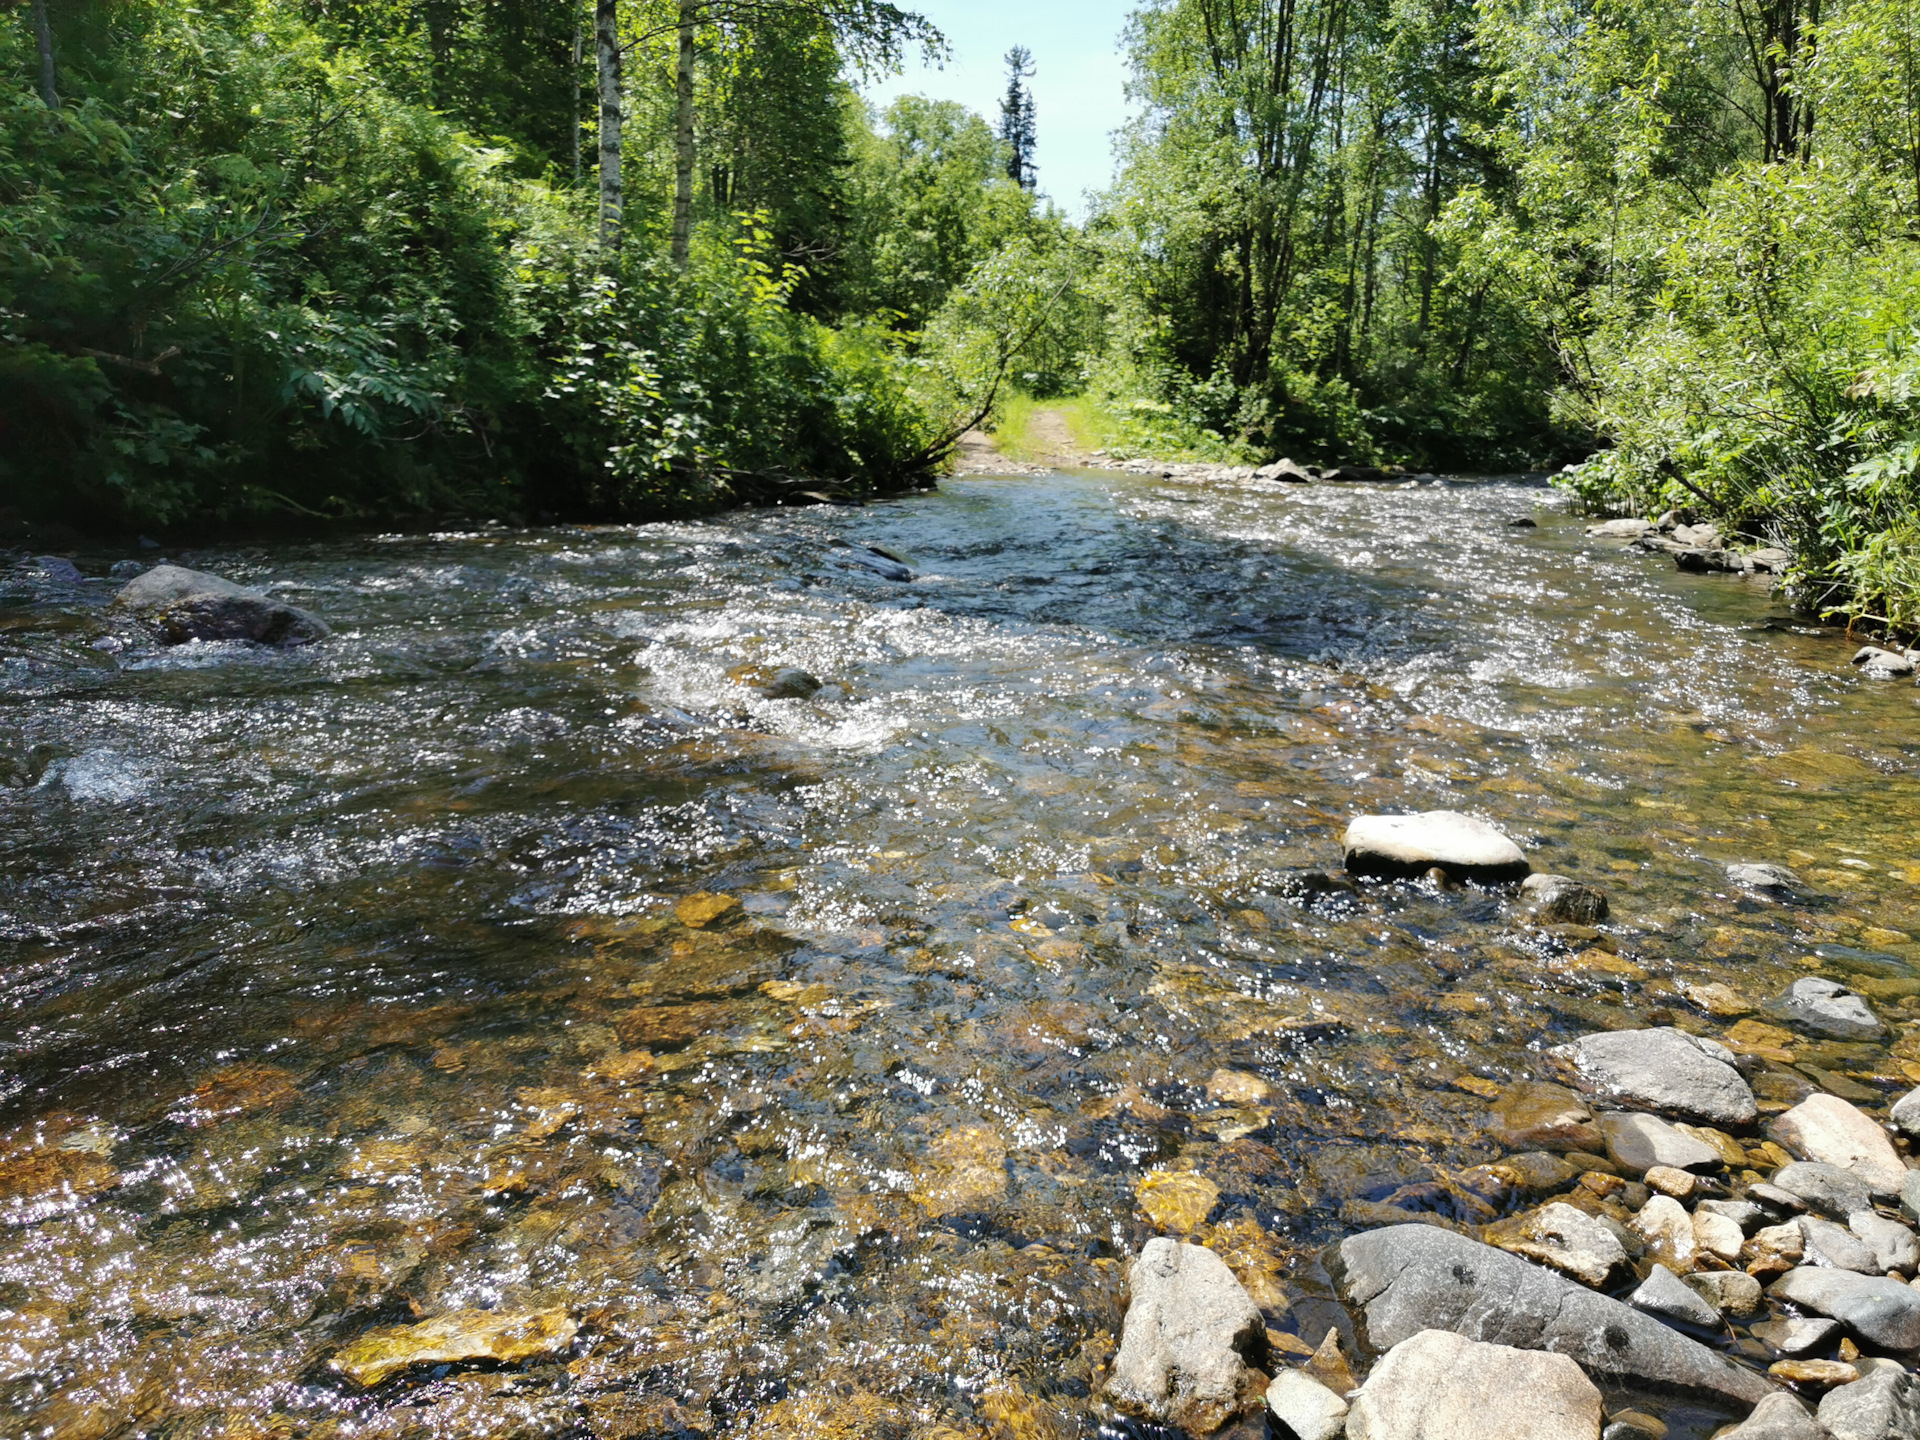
(1095, 426)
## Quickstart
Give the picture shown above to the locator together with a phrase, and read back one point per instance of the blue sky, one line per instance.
(1078, 94)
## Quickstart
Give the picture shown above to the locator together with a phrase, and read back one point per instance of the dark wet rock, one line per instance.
(1905, 1114)
(1797, 1334)
(1188, 1328)
(1837, 1248)
(1571, 1241)
(1663, 1069)
(1304, 1408)
(1285, 471)
(1533, 1113)
(1638, 1142)
(1778, 1417)
(1829, 1008)
(1814, 1185)
(1634, 1425)
(1827, 1128)
(1730, 1292)
(1409, 1278)
(1523, 522)
(1878, 664)
(879, 562)
(1774, 881)
(182, 605)
(1744, 1213)
(789, 683)
(1403, 846)
(1555, 897)
(1892, 1244)
(1666, 1295)
(1882, 1406)
(1437, 1383)
(1620, 529)
(59, 568)
(1879, 1310)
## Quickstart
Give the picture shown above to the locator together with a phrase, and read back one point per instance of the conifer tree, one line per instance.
(1016, 119)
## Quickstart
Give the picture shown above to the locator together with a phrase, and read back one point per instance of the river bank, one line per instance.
(792, 1066)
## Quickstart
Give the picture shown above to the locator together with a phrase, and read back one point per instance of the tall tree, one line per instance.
(43, 41)
(606, 37)
(1017, 119)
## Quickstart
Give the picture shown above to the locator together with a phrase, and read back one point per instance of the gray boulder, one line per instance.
(1882, 1406)
(1829, 1245)
(1828, 1008)
(1882, 664)
(1403, 846)
(1409, 1278)
(1822, 1188)
(1662, 1069)
(1304, 1408)
(1881, 1311)
(1436, 1385)
(181, 605)
(1892, 1243)
(1664, 1294)
(1639, 1142)
(1188, 1328)
(1778, 1417)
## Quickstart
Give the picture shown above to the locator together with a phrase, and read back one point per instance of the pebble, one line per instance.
(1906, 1114)
(1664, 1294)
(1827, 1128)
(1796, 1334)
(1182, 1343)
(1744, 1213)
(1829, 1008)
(1402, 846)
(1667, 1229)
(1670, 1181)
(457, 1338)
(1305, 1408)
(1910, 1196)
(1437, 1384)
(1662, 1069)
(1882, 664)
(1779, 1200)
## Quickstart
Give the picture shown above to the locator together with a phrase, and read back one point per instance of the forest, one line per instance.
(305, 261)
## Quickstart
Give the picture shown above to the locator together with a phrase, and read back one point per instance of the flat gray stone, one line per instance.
(1780, 1202)
(1662, 1069)
(1778, 1417)
(1401, 846)
(1409, 1278)
(181, 605)
(1306, 1409)
(1797, 1334)
(1836, 1247)
(1775, 881)
(1881, 1311)
(1893, 1244)
(1664, 1294)
(1436, 1385)
(1827, 1007)
(1188, 1326)
(1882, 1406)
(1744, 1213)
(1638, 1142)
(1822, 1188)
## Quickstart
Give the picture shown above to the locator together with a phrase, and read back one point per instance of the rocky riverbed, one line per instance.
(784, 976)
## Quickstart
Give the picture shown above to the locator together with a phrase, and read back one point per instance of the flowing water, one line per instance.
(382, 980)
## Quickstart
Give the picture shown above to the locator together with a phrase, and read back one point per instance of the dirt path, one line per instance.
(1049, 431)
(979, 453)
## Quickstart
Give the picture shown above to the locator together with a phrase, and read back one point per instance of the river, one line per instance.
(502, 952)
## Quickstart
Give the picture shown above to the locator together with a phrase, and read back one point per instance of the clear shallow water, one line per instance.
(345, 986)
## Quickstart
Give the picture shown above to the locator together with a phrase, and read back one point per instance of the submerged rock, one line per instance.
(1533, 1113)
(1662, 1069)
(465, 1335)
(182, 605)
(1555, 897)
(1879, 1310)
(1182, 1346)
(1403, 846)
(1774, 881)
(1409, 1278)
(1639, 1143)
(1828, 1008)
(1436, 1385)
(1827, 1128)
(1883, 1406)
(1306, 1409)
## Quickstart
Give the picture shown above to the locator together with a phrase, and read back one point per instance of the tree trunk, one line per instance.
(573, 88)
(606, 39)
(43, 37)
(683, 137)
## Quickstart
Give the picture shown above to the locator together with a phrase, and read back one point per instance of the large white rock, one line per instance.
(182, 605)
(1825, 1127)
(1188, 1326)
(1402, 845)
(1442, 1386)
(1307, 1409)
(1661, 1069)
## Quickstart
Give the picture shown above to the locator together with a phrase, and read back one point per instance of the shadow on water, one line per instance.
(383, 980)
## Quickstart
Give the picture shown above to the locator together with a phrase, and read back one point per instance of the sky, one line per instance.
(1077, 87)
